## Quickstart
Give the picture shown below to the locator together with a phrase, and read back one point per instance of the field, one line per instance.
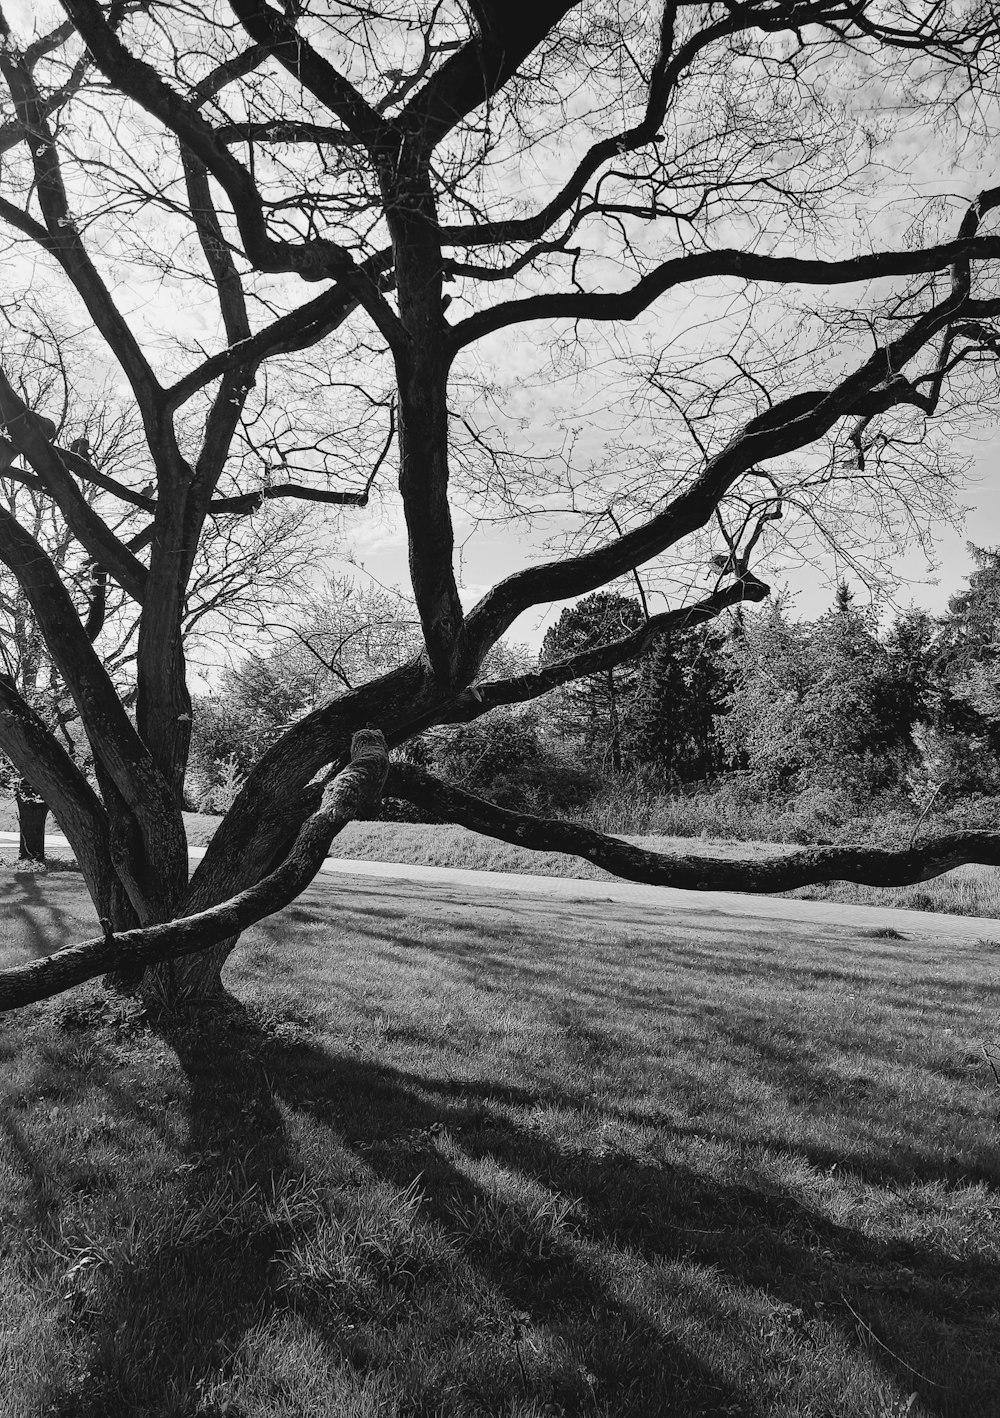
(466, 1156)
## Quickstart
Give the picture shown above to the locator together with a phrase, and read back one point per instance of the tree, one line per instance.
(825, 705)
(968, 646)
(371, 215)
(764, 729)
(595, 707)
(961, 743)
(683, 688)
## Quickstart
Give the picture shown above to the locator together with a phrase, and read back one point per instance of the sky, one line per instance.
(372, 541)
(375, 543)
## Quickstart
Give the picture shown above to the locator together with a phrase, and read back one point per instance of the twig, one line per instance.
(867, 1327)
(926, 809)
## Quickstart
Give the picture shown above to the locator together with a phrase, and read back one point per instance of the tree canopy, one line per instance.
(322, 246)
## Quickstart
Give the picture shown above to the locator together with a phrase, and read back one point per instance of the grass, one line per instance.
(464, 1157)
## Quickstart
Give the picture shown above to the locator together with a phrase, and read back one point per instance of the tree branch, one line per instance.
(743, 265)
(252, 501)
(791, 424)
(873, 866)
(315, 259)
(507, 35)
(270, 29)
(481, 698)
(29, 436)
(59, 235)
(297, 330)
(350, 792)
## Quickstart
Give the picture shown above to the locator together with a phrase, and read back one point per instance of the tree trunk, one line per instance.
(31, 815)
(188, 980)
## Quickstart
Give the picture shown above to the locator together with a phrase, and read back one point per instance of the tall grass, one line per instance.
(629, 806)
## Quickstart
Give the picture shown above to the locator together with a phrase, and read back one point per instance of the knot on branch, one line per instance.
(360, 783)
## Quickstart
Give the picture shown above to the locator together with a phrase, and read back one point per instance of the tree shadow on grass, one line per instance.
(159, 1326)
(164, 1296)
(896, 1304)
(41, 912)
(612, 1286)
(662, 1289)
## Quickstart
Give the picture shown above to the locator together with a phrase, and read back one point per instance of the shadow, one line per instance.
(214, 1290)
(632, 1295)
(41, 912)
(646, 1243)
(176, 1288)
(808, 1274)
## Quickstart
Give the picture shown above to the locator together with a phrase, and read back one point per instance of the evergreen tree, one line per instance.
(682, 688)
(969, 654)
(596, 709)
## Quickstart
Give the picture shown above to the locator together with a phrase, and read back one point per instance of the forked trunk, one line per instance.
(31, 816)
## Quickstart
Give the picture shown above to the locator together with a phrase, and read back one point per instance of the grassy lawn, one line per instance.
(463, 1156)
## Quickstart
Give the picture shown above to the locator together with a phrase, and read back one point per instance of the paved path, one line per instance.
(663, 899)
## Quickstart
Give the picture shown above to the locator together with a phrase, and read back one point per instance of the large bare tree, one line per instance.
(321, 241)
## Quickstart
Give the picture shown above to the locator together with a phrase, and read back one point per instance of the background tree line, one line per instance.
(823, 721)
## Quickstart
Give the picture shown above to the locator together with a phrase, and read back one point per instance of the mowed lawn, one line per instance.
(466, 1156)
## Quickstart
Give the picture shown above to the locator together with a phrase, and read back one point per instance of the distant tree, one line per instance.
(968, 660)
(595, 709)
(824, 705)
(961, 741)
(843, 597)
(764, 728)
(911, 647)
(682, 687)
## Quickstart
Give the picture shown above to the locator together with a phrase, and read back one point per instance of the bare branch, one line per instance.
(745, 265)
(487, 695)
(874, 866)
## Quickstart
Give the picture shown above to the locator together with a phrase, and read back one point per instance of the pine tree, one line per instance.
(682, 690)
(596, 709)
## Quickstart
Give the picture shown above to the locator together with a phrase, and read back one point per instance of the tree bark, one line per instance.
(31, 815)
(188, 980)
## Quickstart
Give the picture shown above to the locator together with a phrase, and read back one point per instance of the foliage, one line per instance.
(596, 708)
(505, 759)
(963, 741)
(822, 708)
(674, 721)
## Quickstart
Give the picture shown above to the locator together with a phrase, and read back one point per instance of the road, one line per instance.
(757, 912)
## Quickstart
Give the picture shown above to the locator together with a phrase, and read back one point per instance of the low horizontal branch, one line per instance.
(352, 790)
(808, 866)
